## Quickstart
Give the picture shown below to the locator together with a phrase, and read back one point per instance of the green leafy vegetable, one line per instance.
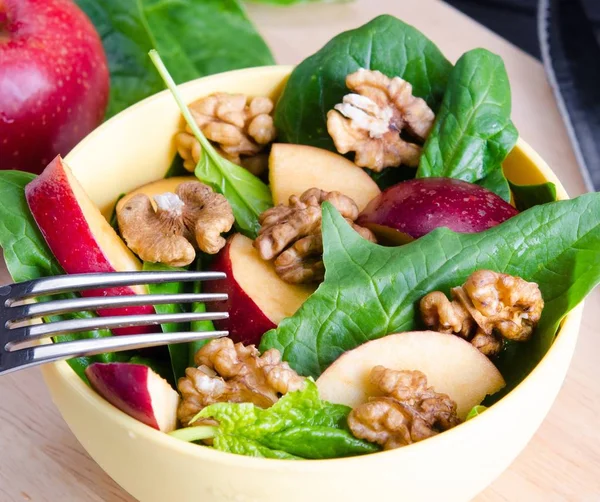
(295, 2)
(195, 346)
(178, 352)
(527, 196)
(248, 195)
(473, 133)
(176, 168)
(196, 37)
(27, 257)
(155, 364)
(79, 364)
(391, 177)
(26, 254)
(193, 434)
(114, 222)
(475, 411)
(299, 425)
(371, 291)
(319, 82)
(496, 182)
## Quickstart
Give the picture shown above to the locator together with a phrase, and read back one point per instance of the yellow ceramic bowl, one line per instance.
(136, 147)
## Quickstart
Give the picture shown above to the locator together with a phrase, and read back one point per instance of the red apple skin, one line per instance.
(413, 208)
(68, 235)
(126, 386)
(247, 323)
(54, 81)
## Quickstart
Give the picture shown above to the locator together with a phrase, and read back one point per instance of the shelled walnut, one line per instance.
(370, 120)
(488, 308)
(407, 410)
(239, 127)
(234, 373)
(291, 235)
(194, 217)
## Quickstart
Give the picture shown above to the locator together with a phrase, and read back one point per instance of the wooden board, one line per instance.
(40, 460)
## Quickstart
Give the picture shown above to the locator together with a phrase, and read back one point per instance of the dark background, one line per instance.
(516, 20)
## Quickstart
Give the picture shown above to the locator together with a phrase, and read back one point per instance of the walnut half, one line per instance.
(370, 119)
(488, 308)
(292, 234)
(194, 217)
(407, 411)
(238, 126)
(237, 374)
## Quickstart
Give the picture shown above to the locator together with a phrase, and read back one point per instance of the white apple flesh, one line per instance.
(80, 237)
(138, 391)
(452, 366)
(293, 169)
(257, 298)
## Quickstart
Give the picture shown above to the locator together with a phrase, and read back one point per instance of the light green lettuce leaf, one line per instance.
(299, 425)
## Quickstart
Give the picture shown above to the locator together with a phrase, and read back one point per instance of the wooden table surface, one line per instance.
(40, 459)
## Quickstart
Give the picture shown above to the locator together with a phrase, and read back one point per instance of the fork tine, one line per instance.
(33, 356)
(38, 331)
(21, 312)
(76, 282)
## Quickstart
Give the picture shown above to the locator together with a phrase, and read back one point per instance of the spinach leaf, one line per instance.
(496, 182)
(178, 352)
(371, 291)
(319, 82)
(27, 257)
(248, 195)
(473, 133)
(295, 2)
(527, 196)
(26, 254)
(114, 222)
(79, 364)
(299, 425)
(195, 37)
(195, 346)
(155, 364)
(176, 168)
(391, 177)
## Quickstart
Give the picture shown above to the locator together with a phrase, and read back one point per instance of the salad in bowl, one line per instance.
(386, 279)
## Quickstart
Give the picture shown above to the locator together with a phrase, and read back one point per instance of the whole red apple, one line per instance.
(54, 81)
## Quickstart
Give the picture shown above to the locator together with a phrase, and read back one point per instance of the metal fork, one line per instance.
(17, 334)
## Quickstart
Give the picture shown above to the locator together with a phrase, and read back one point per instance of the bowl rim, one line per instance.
(62, 372)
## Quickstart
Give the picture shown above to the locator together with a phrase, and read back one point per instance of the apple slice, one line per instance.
(156, 188)
(80, 238)
(257, 298)
(452, 366)
(293, 169)
(138, 391)
(413, 208)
